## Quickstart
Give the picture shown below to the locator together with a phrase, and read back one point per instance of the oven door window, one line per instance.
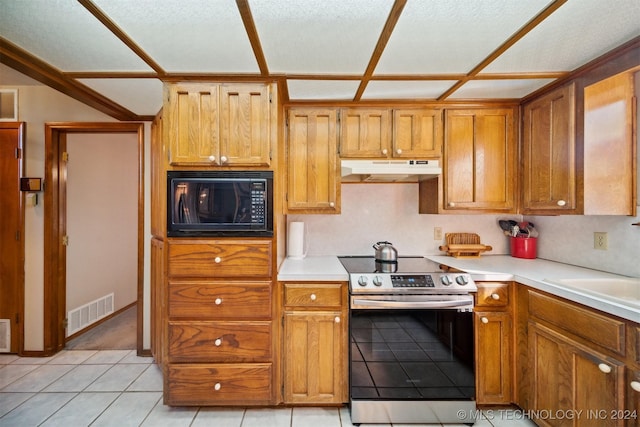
(411, 354)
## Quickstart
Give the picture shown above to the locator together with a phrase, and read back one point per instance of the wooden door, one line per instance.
(313, 172)
(244, 125)
(191, 123)
(549, 153)
(11, 235)
(493, 357)
(314, 371)
(417, 133)
(480, 157)
(365, 133)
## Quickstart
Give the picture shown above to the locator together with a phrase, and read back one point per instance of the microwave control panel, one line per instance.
(258, 196)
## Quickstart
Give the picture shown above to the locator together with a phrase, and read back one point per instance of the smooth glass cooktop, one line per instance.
(368, 264)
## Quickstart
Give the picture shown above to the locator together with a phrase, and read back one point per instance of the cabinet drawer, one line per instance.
(217, 258)
(219, 384)
(219, 342)
(213, 300)
(311, 296)
(584, 323)
(492, 294)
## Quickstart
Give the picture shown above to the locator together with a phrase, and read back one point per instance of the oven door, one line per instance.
(412, 364)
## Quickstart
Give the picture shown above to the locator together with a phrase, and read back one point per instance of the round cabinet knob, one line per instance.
(377, 281)
(604, 368)
(561, 203)
(635, 385)
(484, 320)
(384, 151)
(446, 280)
(212, 158)
(217, 342)
(218, 301)
(451, 204)
(332, 205)
(462, 280)
(495, 296)
(223, 159)
(217, 260)
(313, 297)
(337, 319)
(399, 151)
(217, 386)
(362, 281)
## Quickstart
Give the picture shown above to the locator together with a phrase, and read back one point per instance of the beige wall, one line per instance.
(37, 105)
(102, 218)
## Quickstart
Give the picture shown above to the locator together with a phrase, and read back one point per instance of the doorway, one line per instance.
(56, 216)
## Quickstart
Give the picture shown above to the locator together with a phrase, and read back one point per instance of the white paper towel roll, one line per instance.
(295, 240)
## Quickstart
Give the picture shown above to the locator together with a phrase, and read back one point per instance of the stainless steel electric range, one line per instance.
(411, 342)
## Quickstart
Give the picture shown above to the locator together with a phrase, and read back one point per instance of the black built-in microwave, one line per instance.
(220, 203)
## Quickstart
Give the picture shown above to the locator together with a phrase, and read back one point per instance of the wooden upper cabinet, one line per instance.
(609, 146)
(210, 124)
(417, 133)
(365, 133)
(549, 154)
(479, 160)
(244, 125)
(191, 123)
(313, 164)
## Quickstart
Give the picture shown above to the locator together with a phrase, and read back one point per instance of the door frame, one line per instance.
(55, 220)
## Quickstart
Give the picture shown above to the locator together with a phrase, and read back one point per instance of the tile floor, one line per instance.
(117, 388)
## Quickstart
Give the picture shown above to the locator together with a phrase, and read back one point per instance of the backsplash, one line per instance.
(569, 239)
(377, 212)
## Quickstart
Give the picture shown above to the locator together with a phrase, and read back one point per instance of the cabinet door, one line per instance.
(549, 153)
(313, 173)
(479, 160)
(569, 377)
(365, 133)
(609, 146)
(493, 357)
(314, 369)
(417, 133)
(244, 125)
(191, 123)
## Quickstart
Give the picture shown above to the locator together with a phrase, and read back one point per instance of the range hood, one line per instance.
(389, 170)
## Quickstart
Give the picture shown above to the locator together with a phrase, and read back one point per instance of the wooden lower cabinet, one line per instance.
(570, 378)
(219, 347)
(219, 384)
(315, 341)
(493, 357)
(493, 343)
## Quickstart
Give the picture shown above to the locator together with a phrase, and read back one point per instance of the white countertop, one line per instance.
(318, 268)
(537, 273)
(530, 272)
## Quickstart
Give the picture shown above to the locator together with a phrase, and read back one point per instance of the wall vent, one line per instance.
(83, 316)
(5, 335)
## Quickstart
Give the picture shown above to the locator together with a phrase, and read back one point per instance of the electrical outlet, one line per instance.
(437, 233)
(600, 240)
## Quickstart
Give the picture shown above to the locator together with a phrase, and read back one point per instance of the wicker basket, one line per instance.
(464, 245)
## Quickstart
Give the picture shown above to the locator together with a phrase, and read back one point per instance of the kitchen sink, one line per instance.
(626, 289)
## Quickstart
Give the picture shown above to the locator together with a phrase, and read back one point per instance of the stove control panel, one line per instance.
(408, 283)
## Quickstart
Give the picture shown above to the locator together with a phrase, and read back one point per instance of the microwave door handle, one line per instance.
(371, 303)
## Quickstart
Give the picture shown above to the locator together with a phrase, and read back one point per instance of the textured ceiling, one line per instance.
(115, 54)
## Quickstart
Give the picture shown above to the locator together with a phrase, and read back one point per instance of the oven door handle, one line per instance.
(372, 303)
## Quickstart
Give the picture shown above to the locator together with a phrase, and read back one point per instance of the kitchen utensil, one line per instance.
(464, 245)
(504, 224)
(385, 252)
